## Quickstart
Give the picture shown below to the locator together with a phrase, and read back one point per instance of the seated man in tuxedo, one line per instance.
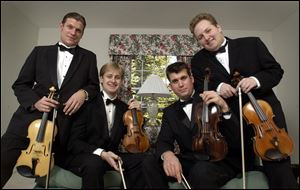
(97, 133)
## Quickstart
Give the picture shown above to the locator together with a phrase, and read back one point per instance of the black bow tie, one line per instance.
(109, 101)
(184, 103)
(222, 49)
(63, 48)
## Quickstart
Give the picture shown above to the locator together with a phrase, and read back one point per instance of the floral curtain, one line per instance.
(123, 47)
(154, 44)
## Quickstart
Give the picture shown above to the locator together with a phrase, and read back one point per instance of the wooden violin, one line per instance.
(135, 140)
(37, 160)
(270, 142)
(208, 139)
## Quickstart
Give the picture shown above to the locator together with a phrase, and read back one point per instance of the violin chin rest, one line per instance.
(25, 171)
(274, 154)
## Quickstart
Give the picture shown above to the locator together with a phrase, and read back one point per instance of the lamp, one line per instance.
(153, 87)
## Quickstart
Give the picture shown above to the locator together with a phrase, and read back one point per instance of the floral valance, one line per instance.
(152, 44)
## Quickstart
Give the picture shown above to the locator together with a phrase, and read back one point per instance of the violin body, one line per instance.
(37, 159)
(270, 142)
(37, 156)
(209, 141)
(135, 141)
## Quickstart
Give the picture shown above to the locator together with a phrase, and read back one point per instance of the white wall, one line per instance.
(286, 50)
(283, 42)
(18, 37)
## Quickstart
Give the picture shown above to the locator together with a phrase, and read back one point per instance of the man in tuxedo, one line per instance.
(73, 72)
(180, 124)
(261, 72)
(97, 133)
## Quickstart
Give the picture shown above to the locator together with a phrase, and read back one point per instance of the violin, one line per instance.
(135, 140)
(37, 160)
(270, 142)
(208, 138)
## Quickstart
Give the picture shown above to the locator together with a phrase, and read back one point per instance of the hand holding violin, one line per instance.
(212, 97)
(46, 104)
(133, 103)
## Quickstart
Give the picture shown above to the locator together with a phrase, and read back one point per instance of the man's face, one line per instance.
(209, 35)
(71, 32)
(182, 84)
(111, 82)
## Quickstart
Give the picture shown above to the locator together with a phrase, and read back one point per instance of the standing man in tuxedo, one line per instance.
(179, 124)
(73, 72)
(251, 58)
(97, 133)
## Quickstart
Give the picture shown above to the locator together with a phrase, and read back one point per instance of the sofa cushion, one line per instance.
(61, 178)
(253, 180)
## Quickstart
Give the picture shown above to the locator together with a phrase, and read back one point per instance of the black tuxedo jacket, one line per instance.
(38, 74)
(90, 129)
(177, 126)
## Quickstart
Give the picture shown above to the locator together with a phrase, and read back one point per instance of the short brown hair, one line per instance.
(176, 68)
(114, 66)
(199, 17)
(75, 16)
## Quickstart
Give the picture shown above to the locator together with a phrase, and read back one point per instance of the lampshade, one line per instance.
(154, 87)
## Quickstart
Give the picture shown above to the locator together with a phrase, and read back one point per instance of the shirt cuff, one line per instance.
(98, 151)
(227, 115)
(219, 87)
(257, 82)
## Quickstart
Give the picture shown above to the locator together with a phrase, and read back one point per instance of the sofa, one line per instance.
(60, 178)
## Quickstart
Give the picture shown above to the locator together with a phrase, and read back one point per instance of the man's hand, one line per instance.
(212, 97)
(246, 84)
(227, 91)
(46, 104)
(111, 158)
(133, 103)
(74, 103)
(172, 166)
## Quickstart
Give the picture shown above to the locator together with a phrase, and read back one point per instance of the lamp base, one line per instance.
(152, 130)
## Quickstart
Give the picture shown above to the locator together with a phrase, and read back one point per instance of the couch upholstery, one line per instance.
(61, 178)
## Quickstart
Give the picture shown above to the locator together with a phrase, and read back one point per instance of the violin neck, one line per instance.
(134, 117)
(262, 116)
(42, 128)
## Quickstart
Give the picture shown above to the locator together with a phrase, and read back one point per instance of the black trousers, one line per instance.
(280, 174)
(11, 146)
(201, 174)
(92, 169)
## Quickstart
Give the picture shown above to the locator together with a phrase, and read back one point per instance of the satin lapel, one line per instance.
(181, 115)
(73, 67)
(118, 117)
(52, 60)
(233, 55)
(103, 111)
(196, 101)
(216, 63)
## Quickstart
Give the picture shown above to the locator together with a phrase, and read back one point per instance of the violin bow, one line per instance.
(121, 172)
(242, 138)
(185, 183)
